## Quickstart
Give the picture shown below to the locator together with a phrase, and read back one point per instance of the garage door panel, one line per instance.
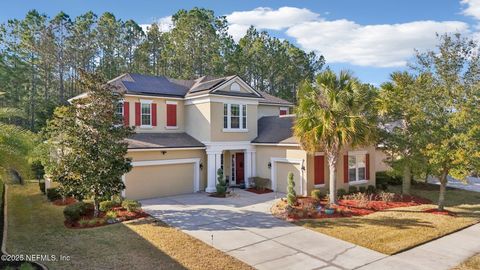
(158, 181)
(281, 177)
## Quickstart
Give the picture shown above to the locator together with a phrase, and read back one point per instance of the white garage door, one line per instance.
(145, 182)
(282, 170)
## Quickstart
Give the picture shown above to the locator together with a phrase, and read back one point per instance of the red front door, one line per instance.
(239, 170)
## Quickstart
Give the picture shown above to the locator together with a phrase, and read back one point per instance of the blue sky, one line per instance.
(370, 37)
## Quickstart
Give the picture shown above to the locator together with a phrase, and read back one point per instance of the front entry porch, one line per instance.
(236, 159)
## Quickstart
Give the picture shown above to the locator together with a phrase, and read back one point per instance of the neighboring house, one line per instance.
(187, 129)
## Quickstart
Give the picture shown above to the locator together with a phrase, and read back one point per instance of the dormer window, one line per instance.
(235, 87)
(234, 117)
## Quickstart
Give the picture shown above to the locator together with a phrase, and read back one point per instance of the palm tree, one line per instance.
(333, 113)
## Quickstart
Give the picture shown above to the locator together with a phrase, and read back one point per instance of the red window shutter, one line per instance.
(154, 114)
(319, 170)
(171, 115)
(126, 113)
(345, 168)
(137, 114)
(367, 166)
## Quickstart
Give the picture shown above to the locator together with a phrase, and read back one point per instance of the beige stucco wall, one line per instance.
(268, 110)
(265, 153)
(174, 154)
(339, 175)
(161, 114)
(217, 133)
(226, 87)
(197, 121)
(380, 165)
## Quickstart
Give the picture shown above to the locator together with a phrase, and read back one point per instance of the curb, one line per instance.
(5, 225)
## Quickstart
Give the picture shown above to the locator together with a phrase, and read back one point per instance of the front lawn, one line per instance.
(36, 226)
(397, 229)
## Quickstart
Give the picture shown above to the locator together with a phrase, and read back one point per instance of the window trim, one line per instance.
(146, 102)
(357, 154)
(240, 116)
(283, 109)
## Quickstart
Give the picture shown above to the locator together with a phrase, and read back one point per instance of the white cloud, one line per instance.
(385, 45)
(345, 41)
(165, 24)
(267, 18)
(472, 8)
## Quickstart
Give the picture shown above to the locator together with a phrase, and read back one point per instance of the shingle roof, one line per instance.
(273, 99)
(133, 83)
(162, 140)
(155, 85)
(275, 129)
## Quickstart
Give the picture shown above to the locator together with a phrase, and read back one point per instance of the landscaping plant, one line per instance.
(291, 194)
(221, 183)
(89, 143)
(317, 194)
(107, 205)
(131, 205)
(334, 111)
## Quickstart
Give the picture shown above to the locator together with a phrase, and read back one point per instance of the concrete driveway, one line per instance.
(243, 227)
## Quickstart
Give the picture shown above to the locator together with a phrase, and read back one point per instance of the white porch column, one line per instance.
(218, 164)
(254, 164)
(248, 167)
(211, 174)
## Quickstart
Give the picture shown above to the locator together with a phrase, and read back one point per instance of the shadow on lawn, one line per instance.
(397, 223)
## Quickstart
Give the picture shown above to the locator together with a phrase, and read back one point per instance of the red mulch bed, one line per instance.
(438, 212)
(345, 208)
(259, 191)
(67, 201)
(122, 215)
(378, 205)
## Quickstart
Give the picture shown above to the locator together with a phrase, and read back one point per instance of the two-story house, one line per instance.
(187, 129)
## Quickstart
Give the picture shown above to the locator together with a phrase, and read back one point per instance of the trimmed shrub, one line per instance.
(352, 189)
(387, 178)
(73, 212)
(53, 194)
(131, 205)
(317, 194)
(111, 215)
(221, 183)
(291, 194)
(371, 189)
(261, 183)
(41, 185)
(341, 192)
(362, 189)
(107, 205)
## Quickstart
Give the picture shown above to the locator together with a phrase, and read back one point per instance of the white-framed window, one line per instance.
(234, 117)
(146, 113)
(357, 169)
(119, 111)
(283, 110)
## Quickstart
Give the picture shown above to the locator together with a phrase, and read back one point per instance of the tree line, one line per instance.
(41, 57)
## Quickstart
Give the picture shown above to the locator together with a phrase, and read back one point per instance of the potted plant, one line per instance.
(329, 210)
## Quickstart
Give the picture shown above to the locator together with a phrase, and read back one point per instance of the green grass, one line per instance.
(394, 230)
(35, 226)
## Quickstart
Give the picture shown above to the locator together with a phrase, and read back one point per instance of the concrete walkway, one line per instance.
(243, 227)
